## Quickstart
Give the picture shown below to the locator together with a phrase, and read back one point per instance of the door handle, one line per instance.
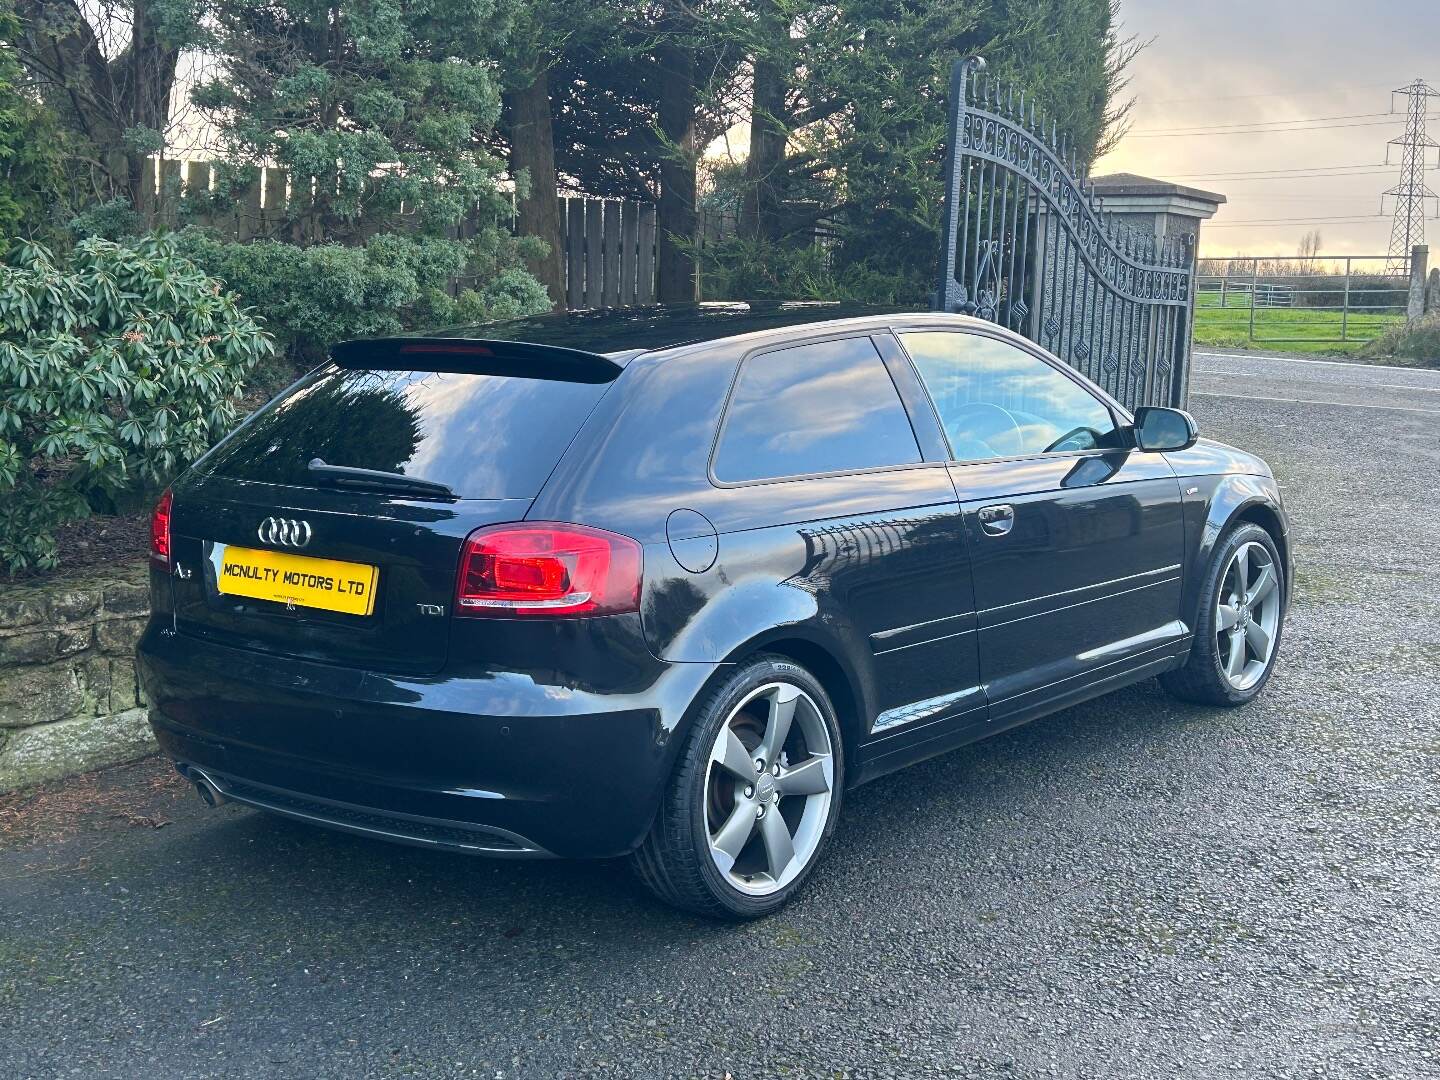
(997, 520)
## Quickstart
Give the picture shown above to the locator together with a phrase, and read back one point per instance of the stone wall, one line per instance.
(68, 695)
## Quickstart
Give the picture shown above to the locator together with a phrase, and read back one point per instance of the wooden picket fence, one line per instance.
(608, 244)
(174, 184)
(609, 252)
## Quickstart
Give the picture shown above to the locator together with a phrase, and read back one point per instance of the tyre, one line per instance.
(1237, 632)
(754, 797)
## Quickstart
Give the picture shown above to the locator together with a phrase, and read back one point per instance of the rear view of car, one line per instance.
(351, 609)
(373, 477)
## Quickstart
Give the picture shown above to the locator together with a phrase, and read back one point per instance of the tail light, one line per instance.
(160, 531)
(543, 568)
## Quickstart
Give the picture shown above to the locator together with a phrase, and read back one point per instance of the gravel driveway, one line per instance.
(1130, 888)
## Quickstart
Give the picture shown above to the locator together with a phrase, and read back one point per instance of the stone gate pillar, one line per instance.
(1166, 211)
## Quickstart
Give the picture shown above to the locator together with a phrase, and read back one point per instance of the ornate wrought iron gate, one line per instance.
(1027, 245)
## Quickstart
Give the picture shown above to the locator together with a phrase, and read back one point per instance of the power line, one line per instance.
(1263, 131)
(1257, 172)
(1268, 94)
(1285, 224)
(1410, 194)
(1306, 176)
(1299, 220)
(1346, 200)
(1262, 123)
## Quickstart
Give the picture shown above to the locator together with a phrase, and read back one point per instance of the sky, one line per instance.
(1294, 71)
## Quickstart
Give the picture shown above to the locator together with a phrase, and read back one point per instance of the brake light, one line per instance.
(544, 568)
(160, 531)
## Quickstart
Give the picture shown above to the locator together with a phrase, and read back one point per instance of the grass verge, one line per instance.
(1299, 330)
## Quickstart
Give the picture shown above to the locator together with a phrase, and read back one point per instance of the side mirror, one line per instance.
(1159, 429)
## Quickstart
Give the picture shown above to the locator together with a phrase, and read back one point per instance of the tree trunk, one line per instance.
(769, 130)
(675, 213)
(532, 148)
(100, 99)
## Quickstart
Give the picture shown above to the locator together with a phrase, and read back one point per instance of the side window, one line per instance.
(825, 407)
(996, 400)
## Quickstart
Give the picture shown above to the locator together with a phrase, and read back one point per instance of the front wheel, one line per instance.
(1237, 635)
(754, 797)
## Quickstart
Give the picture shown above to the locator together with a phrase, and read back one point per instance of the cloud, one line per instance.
(1267, 61)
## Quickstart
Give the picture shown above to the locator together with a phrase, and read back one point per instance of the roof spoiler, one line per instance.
(476, 356)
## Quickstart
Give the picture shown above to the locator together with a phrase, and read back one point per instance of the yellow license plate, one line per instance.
(297, 580)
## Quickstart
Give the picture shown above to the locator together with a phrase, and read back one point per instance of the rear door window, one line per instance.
(484, 436)
(828, 406)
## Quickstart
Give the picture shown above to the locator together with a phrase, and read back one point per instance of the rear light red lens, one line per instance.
(543, 568)
(160, 530)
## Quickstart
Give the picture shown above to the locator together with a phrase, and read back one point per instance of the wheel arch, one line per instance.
(1256, 501)
(824, 661)
(1235, 500)
(1268, 518)
(838, 682)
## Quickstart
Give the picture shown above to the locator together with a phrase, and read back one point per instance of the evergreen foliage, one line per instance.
(418, 138)
(384, 103)
(119, 364)
(315, 296)
(31, 150)
(856, 116)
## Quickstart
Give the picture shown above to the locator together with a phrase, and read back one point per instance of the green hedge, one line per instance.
(120, 363)
(312, 297)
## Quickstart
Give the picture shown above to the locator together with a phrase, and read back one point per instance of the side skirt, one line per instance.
(872, 768)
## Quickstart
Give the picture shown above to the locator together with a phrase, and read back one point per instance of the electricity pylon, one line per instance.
(1410, 194)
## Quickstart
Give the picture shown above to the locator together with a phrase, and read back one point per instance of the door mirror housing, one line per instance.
(1158, 429)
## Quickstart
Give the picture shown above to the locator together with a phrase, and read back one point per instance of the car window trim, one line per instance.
(1042, 455)
(924, 419)
(811, 339)
(1121, 418)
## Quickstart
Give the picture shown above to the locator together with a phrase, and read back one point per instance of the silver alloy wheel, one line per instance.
(768, 788)
(1247, 615)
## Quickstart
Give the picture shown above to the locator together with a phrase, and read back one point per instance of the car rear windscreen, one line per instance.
(483, 436)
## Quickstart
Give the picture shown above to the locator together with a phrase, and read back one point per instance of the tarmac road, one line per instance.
(1133, 888)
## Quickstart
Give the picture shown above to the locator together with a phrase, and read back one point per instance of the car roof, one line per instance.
(622, 333)
(594, 345)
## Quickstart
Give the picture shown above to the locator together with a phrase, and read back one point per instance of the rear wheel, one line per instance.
(1237, 635)
(754, 797)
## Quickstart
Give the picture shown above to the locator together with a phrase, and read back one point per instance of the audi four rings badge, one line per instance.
(284, 532)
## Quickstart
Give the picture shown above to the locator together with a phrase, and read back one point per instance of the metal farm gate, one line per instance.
(1027, 245)
(1304, 298)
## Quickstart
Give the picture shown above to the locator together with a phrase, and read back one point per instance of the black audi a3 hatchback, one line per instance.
(666, 583)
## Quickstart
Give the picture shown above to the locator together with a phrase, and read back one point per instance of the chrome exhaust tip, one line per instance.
(209, 794)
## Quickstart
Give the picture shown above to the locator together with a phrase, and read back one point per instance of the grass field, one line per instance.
(1307, 330)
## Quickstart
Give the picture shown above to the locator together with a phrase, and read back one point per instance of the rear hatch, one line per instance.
(379, 464)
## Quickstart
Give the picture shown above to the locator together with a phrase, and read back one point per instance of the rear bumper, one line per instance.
(500, 763)
(390, 825)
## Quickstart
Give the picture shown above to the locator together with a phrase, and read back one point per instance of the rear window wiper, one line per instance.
(377, 480)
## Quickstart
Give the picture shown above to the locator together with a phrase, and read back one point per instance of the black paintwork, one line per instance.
(622, 333)
(927, 630)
